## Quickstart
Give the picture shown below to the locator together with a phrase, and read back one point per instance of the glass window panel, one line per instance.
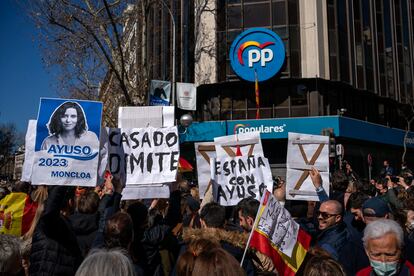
(231, 35)
(229, 70)
(257, 15)
(360, 75)
(281, 31)
(331, 17)
(333, 67)
(294, 38)
(281, 112)
(264, 113)
(279, 13)
(295, 63)
(379, 22)
(300, 111)
(239, 114)
(234, 17)
(293, 12)
(332, 42)
(239, 104)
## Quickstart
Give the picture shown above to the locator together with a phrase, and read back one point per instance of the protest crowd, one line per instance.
(91, 203)
(361, 228)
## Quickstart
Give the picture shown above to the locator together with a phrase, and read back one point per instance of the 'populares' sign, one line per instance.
(257, 50)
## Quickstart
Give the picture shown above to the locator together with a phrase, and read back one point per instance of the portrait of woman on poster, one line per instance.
(67, 126)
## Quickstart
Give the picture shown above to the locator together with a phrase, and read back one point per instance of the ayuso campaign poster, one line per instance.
(67, 142)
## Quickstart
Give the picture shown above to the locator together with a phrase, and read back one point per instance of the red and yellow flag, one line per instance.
(184, 165)
(268, 239)
(17, 211)
(256, 89)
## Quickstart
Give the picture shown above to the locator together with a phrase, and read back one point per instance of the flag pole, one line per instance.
(256, 220)
(256, 90)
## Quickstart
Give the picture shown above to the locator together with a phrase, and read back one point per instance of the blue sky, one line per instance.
(23, 77)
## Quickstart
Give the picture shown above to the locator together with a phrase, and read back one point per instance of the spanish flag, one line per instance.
(256, 90)
(17, 211)
(184, 165)
(279, 237)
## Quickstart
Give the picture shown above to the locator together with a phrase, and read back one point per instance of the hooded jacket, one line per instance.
(85, 227)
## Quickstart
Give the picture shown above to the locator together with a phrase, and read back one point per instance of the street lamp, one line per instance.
(185, 121)
(173, 51)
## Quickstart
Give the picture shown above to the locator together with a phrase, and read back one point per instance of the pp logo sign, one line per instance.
(257, 50)
(259, 53)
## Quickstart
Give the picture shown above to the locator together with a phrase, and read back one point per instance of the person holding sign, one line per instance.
(68, 126)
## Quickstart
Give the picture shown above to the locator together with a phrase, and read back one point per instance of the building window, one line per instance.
(282, 16)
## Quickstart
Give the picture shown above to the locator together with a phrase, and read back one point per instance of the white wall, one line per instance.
(314, 39)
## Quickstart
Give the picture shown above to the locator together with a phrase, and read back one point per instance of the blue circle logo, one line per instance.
(257, 51)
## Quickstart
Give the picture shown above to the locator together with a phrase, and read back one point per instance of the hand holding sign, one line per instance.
(316, 178)
(307, 165)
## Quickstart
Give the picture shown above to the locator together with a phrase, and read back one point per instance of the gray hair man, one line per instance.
(383, 243)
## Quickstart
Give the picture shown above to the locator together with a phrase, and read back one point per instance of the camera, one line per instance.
(394, 179)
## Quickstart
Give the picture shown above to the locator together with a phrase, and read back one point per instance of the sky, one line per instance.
(23, 77)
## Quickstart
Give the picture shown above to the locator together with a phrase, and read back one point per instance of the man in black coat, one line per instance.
(334, 233)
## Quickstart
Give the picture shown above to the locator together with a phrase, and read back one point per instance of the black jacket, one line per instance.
(352, 256)
(333, 239)
(55, 250)
(85, 227)
(146, 248)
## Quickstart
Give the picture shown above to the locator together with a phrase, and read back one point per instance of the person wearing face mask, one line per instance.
(384, 244)
(353, 257)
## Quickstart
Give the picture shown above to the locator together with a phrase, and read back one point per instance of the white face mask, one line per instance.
(410, 226)
(384, 268)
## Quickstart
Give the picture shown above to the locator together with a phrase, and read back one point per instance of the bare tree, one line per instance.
(205, 41)
(84, 40)
(10, 139)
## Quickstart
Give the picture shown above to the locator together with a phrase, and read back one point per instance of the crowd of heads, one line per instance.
(135, 236)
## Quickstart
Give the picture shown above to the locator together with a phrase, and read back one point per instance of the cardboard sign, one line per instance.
(186, 96)
(204, 152)
(144, 155)
(304, 152)
(240, 177)
(30, 141)
(160, 92)
(67, 142)
(277, 225)
(248, 143)
(150, 191)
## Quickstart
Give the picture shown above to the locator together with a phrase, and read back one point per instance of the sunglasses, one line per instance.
(325, 215)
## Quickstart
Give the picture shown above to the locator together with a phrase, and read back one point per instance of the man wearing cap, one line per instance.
(373, 209)
(384, 244)
(353, 256)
